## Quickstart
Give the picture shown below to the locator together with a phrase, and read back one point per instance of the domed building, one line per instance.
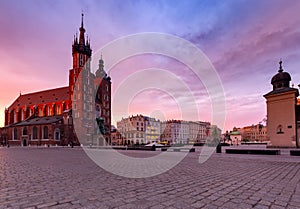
(235, 136)
(283, 111)
(281, 80)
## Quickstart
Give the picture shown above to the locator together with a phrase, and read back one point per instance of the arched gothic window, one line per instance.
(25, 132)
(34, 132)
(15, 134)
(45, 132)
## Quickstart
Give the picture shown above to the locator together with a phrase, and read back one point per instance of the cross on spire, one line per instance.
(280, 66)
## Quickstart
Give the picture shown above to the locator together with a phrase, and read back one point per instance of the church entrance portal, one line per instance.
(24, 141)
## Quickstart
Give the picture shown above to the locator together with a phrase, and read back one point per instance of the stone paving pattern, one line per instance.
(67, 178)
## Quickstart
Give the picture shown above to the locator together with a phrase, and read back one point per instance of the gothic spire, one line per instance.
(101, 72)
(81, 43)
(82, 19)
(82, 31)
(101, 63)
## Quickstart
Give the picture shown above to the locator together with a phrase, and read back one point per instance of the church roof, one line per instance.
(282, 90)
(280, 76)
(41, 97)
(281, 83)
(38, 121)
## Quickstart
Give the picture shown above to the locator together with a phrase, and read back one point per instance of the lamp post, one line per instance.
(297, 127)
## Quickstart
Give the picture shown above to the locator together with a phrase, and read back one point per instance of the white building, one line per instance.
(198, 131)
(139, 129)
(175, 132)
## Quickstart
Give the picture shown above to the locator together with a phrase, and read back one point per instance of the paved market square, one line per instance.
(58, 177)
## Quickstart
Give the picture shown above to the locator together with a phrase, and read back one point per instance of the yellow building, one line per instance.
(254, 133)
(282, 111)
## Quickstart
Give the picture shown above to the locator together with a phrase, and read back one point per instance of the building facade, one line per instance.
(235, 137)
(175, 132)
(184, 132)
(152, 130)
(254, 133)
(116, 136)
(49, 117)
(282, 111)
(198, 131)
(139, 129)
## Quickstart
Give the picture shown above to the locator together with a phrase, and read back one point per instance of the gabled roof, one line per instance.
(40, 97)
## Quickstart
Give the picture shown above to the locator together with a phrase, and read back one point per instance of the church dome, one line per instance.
(281, 79)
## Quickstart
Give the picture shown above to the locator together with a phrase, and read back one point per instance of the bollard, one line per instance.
(219, 148)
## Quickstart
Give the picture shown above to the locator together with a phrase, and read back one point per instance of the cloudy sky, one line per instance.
(243, 39)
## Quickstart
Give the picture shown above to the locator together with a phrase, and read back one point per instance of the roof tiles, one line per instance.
(41, 97)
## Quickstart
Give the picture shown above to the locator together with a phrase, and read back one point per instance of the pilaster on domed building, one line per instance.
(49, 117)
(283, 111)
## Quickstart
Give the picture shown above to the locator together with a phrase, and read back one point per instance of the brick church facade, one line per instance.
(79, 113)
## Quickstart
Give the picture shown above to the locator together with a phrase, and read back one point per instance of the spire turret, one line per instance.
(101, 63)
(82, 31)
(82, 19)
(100, 71)
(81, 46)
(81, 54)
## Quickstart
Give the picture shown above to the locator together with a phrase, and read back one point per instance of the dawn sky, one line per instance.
(243, 39)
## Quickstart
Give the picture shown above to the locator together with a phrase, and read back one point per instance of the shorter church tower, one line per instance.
(281, 111)
(102, 85)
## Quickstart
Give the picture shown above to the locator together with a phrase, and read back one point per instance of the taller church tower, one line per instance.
(81, 88)
(281, 111)
(81, 53)
(89, 94)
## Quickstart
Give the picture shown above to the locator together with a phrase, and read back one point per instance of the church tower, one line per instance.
(81, 53)
(89, 94)
(81, 87)
(102, 83)
(281, 111)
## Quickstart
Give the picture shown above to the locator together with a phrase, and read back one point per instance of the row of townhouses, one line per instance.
(140, 129)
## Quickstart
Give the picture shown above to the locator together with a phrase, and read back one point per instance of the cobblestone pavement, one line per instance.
(67, 178)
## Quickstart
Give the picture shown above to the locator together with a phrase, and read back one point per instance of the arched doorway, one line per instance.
(24, 142)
